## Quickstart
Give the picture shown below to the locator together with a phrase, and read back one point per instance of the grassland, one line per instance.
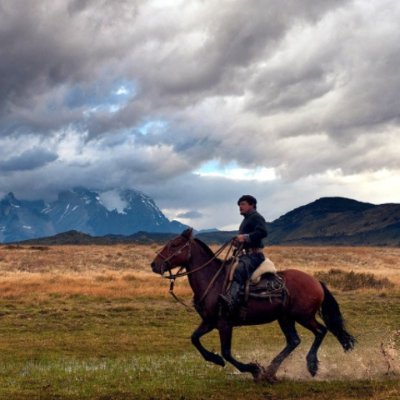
(92, 322)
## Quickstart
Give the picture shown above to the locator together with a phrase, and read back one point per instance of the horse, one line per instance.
(306, 296)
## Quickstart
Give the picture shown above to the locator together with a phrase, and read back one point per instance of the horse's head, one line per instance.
(175, 253)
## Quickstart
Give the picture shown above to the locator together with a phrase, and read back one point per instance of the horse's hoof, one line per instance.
(260, 374)
(257, 371)
(269, 375)
(270, 378)
(313, 373)
(312, 368)
(217, 359)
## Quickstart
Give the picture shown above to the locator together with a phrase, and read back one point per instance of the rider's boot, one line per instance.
(231, 297)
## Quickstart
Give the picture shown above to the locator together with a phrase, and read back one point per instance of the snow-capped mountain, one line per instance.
(79, 209)
(82, 210)
(21, 220)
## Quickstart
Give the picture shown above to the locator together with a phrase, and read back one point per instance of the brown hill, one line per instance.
(338, 221)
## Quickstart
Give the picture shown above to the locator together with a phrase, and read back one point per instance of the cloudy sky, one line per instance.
(198, 102)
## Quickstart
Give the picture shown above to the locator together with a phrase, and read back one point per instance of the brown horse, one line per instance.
(306, 296)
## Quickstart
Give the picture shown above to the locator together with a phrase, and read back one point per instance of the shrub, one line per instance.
(345, 281)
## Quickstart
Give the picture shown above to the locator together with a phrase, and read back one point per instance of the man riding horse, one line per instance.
(207, 276)
(249, 244)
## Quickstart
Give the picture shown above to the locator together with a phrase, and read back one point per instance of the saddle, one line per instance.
(268, 286)
(263, 283)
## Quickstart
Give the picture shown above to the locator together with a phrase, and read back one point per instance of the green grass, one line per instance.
(81, 347)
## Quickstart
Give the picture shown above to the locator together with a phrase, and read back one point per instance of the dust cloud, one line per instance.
(366, 361)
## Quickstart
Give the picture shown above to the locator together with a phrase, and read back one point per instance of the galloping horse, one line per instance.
(306, 296)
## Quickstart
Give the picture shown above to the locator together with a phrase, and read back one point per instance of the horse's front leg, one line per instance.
(202, 329)
(225, 334)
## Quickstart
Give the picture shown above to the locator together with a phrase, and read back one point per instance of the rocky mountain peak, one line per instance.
(10, 198)
(81, 209)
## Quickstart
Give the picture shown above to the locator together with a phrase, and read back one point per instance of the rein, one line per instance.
(179, 274)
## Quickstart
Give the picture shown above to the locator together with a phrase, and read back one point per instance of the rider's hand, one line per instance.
(240, 238)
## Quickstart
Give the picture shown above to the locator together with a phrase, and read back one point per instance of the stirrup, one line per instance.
(228, 303)
(226, 298)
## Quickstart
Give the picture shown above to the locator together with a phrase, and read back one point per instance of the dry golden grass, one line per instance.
(383, 262)
(103, 271)
(124, 271)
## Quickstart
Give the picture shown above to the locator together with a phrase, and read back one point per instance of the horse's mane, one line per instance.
(205, 247)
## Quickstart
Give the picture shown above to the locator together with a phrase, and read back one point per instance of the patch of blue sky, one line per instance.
(153, 126)
(96, 98)
(209, 167)
(234, 171)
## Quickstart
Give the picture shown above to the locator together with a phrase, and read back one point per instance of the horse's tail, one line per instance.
(333, 319)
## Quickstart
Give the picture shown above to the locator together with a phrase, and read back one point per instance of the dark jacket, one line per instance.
(254, 226)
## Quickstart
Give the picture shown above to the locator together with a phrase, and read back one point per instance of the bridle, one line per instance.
(166, 260)
(172, 277)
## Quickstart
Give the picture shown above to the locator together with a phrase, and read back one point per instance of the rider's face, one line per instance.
(245, 207)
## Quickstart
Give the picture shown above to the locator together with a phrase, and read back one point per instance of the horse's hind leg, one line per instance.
(202, 329)
(292, 341)
(319, 331)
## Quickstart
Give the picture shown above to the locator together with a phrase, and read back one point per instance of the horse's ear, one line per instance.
(187, 233)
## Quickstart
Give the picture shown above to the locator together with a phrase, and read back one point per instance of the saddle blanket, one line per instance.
(266, 267)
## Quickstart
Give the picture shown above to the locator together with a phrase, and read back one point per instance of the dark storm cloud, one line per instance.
(28, 160)
(50, 47)
(45, 48)
(143, 93)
